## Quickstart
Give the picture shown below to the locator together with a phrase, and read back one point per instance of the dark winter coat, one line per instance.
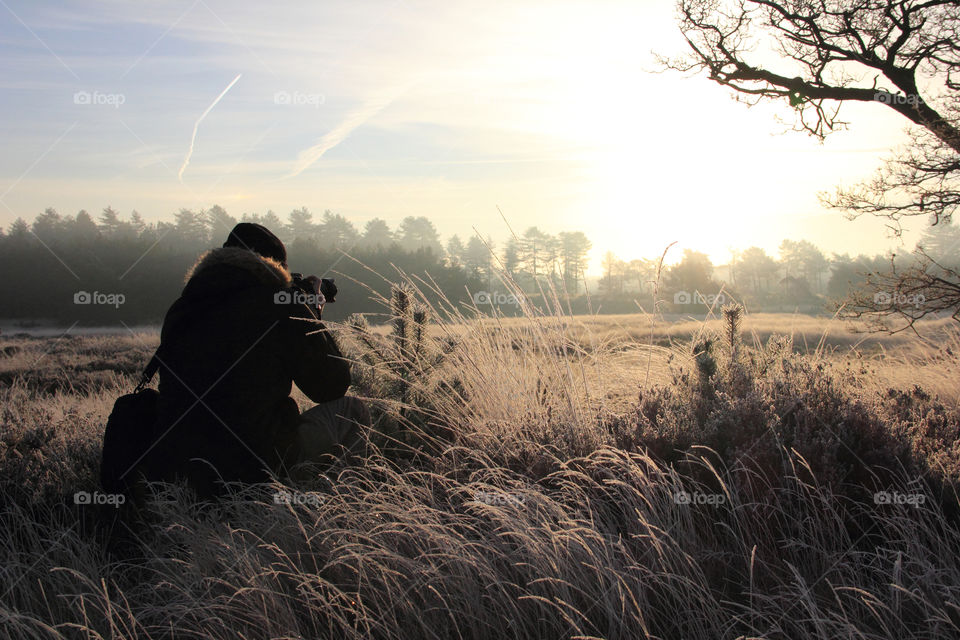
(230, 348)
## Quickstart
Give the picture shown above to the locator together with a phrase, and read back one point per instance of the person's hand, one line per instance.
(314, 283)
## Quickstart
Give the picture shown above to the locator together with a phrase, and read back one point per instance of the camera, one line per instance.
(327, 287)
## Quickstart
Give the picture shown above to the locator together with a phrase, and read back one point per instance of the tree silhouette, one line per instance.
(336, 232)
(477, 258)
(849, 274)
(841, 47)
(301, 224)
(456, 251)
(942, 243)
(48, 226)
(418, 233)
(18, 229)
(110, 223)
(614, 274)
(644, 271)
(83, 230)
(813, 263)
(756, 269)
(137, 223)
(511, 257)
(573, 250)
(219, 223)
(693, 274)
(535, 252)
(377, 234)
(190, 228)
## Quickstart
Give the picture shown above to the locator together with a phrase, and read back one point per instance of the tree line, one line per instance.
(133, 270)
(47, 263)
(800, 277)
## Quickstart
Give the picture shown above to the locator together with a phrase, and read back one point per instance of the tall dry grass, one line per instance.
(535, 479)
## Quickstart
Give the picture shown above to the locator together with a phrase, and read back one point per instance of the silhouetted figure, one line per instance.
(231, 345)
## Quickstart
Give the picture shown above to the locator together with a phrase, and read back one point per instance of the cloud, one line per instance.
(196, 126)
(338, 134)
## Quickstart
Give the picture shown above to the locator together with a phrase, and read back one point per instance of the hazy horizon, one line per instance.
(549, 111)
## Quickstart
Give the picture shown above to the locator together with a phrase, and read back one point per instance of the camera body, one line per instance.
(327, 287)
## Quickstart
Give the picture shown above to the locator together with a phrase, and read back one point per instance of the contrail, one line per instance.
(339, 133)
(196, 126)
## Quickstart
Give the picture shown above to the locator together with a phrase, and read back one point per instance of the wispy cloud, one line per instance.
(338, 134)
(196, 126)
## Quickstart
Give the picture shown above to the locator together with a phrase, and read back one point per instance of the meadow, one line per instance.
(740, 476)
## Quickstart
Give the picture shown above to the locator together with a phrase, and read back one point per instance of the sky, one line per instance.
(552, 111)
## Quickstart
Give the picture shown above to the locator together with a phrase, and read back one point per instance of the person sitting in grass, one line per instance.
(240, 334)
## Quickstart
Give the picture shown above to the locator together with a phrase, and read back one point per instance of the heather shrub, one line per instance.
(48, 446)
(759, 408)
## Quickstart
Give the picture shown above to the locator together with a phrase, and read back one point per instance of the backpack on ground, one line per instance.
(130, 435)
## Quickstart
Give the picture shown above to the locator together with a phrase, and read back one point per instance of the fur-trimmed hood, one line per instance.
(214, 264)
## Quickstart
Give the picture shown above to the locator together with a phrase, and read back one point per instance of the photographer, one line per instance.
(243, 330)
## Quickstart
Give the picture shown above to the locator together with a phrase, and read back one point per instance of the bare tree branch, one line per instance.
(817, 54)
(827, 43)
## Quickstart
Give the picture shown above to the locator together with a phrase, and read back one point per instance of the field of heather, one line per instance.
(768, 476)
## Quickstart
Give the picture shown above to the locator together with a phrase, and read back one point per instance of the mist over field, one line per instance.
(627, 358)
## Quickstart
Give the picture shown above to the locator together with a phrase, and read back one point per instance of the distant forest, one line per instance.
(136, 269)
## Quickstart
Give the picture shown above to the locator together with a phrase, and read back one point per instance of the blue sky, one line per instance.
(396, 108)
